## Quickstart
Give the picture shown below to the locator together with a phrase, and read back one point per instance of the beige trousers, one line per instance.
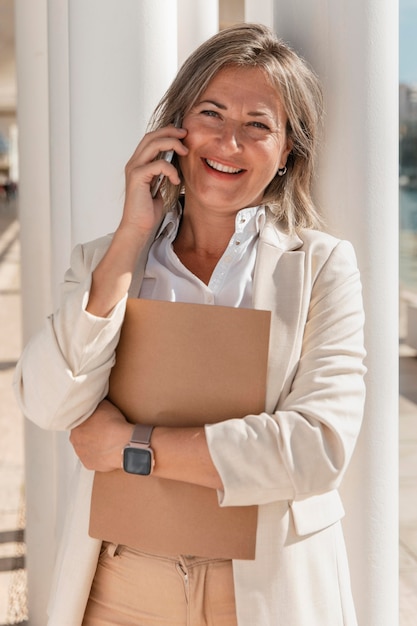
(132, 588)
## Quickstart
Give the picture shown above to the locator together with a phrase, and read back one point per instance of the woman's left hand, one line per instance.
(99, 441)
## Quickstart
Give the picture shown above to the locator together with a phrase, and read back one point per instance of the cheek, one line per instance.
(195, 137)
(269, 161)
(193, 128)
(273, 155)
(194, 141)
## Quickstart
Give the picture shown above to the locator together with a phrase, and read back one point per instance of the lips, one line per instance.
(220, 167)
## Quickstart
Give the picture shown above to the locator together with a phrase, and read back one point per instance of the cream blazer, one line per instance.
(289, 460)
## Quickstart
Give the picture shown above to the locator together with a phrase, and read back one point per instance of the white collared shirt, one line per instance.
(166, 278)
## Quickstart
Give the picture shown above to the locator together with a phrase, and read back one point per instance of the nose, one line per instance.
(231, 136)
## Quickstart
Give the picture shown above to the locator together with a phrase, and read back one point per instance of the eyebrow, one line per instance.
(216, 104)
(223, 107)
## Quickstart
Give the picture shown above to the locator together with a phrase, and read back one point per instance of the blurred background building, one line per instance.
(408, 150)
(408, 199)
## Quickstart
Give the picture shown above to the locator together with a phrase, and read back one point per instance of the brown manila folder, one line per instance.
(180, 364)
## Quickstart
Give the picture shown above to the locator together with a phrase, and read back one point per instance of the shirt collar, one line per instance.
(253, 218)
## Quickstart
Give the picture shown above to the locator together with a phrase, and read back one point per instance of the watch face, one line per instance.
(137, 461)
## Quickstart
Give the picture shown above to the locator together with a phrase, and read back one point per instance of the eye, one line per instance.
(259, 125)
(209, 113)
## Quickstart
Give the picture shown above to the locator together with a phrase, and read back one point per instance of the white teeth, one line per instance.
(222, 168)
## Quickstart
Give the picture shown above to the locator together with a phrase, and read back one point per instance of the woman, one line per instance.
(245, 234)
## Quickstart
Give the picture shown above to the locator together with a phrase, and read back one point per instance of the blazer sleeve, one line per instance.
(304, 447)
(63, 372)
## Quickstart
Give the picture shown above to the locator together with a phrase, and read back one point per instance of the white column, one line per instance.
(59, 128)
(121, 61)
(261, 11)
(89, 76)
(353, 47)
(34, 212)
(197, 21)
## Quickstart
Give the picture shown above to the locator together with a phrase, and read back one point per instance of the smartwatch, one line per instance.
(138, 457)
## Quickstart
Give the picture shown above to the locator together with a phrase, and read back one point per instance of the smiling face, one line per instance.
(236, 140)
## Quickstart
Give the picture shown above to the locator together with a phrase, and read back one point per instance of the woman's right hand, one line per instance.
(141, 212)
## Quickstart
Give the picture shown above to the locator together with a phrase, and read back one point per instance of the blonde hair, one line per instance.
(255, 45)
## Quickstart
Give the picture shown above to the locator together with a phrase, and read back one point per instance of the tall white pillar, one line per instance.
(122, 58)
(197, 21)
(34, 213)
(353, 47)
(89, 76)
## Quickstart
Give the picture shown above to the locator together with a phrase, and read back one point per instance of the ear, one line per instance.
(284, 154)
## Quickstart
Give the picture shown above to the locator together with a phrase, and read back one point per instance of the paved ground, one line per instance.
(12, 573)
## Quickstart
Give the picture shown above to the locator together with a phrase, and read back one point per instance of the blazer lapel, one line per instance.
(278, 287)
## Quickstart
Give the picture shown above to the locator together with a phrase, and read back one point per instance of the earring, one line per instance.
(282, 170)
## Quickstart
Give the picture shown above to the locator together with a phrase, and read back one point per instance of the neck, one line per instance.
(203, 233)
(201, 240)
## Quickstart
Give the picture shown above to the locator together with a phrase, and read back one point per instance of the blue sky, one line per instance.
(408, 41)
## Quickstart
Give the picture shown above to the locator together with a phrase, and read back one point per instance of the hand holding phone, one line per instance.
(166, 156)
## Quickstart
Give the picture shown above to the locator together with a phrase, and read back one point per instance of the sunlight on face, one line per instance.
(236, 139)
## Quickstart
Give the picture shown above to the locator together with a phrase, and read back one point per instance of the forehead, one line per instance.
(244, 85)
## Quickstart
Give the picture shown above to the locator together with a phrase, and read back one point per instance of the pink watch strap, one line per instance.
(142, 434)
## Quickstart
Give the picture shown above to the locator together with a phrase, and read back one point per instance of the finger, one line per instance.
(159, 141)
(143, 176)
(155, 151)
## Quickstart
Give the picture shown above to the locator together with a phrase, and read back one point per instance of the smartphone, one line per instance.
(166, 156)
